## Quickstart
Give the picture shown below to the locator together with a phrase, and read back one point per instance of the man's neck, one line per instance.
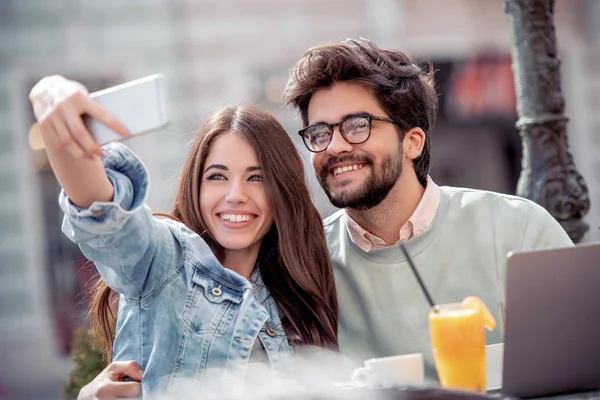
(386, 219)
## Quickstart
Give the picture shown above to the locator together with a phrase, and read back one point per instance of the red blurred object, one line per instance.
(483, 87)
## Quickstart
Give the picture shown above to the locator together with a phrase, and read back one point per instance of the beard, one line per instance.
(372, 191)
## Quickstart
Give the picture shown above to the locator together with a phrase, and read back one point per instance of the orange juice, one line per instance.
(458, 340)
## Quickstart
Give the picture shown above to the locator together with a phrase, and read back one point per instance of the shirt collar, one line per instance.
(418, 222)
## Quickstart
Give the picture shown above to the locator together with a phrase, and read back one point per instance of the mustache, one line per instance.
(351, 158)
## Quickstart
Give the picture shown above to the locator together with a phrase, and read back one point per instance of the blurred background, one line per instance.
(215, 52)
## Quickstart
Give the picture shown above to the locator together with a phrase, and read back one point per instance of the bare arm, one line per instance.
(58, 105)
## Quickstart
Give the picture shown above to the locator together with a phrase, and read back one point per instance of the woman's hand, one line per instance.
(58, 105)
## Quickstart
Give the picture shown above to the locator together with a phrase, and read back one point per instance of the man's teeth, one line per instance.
(339, 170)
(236, 217)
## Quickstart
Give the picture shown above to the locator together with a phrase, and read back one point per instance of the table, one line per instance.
(380, 393)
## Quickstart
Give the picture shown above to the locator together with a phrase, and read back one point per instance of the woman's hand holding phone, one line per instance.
(58, 105)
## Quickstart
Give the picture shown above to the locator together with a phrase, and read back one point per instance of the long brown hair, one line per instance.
(404, 89)
(294, 261)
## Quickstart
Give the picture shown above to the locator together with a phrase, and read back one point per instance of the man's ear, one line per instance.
(414, 141)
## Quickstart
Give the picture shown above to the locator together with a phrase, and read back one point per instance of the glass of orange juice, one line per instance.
(458, 340)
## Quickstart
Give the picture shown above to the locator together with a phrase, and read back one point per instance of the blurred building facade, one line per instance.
(217, 52)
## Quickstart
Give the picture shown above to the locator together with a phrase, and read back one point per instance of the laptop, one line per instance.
(552, 322)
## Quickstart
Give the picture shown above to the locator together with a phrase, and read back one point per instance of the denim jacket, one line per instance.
(181, 315)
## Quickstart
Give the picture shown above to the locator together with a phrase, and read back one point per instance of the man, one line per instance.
(368, 115)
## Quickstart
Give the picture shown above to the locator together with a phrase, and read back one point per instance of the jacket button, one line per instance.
(271, 332)
(216, 291)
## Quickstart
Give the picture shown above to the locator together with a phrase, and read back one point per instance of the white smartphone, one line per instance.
(141, 105)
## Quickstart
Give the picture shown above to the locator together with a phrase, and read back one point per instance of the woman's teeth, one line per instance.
(236, 217)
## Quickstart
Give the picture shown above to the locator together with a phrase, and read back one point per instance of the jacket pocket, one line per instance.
(212, 306)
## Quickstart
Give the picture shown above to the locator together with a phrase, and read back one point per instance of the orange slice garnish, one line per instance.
(476, 304)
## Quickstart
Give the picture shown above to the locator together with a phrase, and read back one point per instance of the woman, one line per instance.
(239, 273)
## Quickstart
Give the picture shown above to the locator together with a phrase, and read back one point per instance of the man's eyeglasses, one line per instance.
(355, 129)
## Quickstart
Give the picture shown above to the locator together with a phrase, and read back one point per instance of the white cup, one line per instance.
(404, 370)
(495, 358)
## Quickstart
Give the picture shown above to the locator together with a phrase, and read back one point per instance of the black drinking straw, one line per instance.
(434, 306)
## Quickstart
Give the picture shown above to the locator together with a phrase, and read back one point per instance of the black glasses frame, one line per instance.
(369, 117)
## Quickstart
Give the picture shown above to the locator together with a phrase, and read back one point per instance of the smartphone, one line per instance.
(141, 105)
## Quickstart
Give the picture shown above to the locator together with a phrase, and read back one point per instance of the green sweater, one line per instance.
(463, 253)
